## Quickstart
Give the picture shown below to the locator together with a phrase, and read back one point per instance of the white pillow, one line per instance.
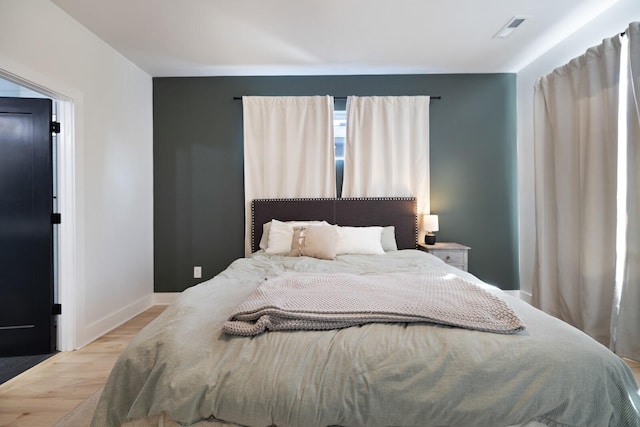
(265, 235)
(359, 240)
(389, 239)
(388, 235)
(280, 235)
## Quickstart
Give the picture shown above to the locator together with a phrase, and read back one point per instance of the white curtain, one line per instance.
(627, 333)
(387, 148)
(575, 145)
(288, 149)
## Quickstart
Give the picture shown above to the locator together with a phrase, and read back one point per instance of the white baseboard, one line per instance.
(524, 296)
(101, 326)
(164, 298)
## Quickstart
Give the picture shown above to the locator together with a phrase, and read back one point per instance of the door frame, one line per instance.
(67, 204)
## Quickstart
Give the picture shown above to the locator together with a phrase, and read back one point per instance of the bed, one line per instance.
(182, 369)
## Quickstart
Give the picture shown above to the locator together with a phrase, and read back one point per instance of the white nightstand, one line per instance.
(453, 254)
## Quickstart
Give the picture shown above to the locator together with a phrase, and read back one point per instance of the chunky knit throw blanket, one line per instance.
(315, 301)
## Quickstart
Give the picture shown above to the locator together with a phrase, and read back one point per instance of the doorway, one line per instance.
(26, 227)
(63, 153)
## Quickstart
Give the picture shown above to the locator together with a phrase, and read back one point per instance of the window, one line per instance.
(621, 223)
(339, 137)
(339, 132)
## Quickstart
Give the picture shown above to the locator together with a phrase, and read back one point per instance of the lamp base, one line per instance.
(430, 239)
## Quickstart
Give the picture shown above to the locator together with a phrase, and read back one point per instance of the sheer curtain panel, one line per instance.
(627, 332)
(288, 149)
(575, 145)
(387, 148)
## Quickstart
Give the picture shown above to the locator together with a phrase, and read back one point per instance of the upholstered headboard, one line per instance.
(383, 211)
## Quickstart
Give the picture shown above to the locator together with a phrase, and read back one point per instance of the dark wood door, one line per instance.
(26, 230)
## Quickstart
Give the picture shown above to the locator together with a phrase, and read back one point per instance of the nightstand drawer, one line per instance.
(450, 256)
(453, 254)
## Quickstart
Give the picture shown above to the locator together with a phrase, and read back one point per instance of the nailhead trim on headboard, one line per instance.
(312, 199)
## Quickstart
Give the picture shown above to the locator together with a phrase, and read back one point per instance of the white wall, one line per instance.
(8, 88)
(112, 158)
(613, 21)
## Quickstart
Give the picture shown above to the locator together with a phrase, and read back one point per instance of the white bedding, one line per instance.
(182, 367)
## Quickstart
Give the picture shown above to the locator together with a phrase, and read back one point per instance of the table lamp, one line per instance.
(430, 225)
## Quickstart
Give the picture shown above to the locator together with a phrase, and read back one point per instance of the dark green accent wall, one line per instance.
(198, 165)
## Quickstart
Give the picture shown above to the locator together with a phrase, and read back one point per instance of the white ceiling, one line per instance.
(327, 37)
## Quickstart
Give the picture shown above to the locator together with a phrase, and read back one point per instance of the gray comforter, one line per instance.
(418, 374)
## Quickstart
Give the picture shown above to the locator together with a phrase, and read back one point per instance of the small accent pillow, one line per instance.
(317, 241)
(280, 235)
(389, 239)
(359, 240)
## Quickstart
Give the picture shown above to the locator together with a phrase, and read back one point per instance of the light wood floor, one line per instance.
(47, 392)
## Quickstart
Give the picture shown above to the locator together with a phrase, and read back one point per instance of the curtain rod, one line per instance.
(344, 97)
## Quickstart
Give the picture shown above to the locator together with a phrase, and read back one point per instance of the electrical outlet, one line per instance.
(197, 272)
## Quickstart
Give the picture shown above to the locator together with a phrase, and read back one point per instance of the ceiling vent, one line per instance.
(510, 26)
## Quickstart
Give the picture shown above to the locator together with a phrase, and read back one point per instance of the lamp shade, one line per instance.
(430, 223)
